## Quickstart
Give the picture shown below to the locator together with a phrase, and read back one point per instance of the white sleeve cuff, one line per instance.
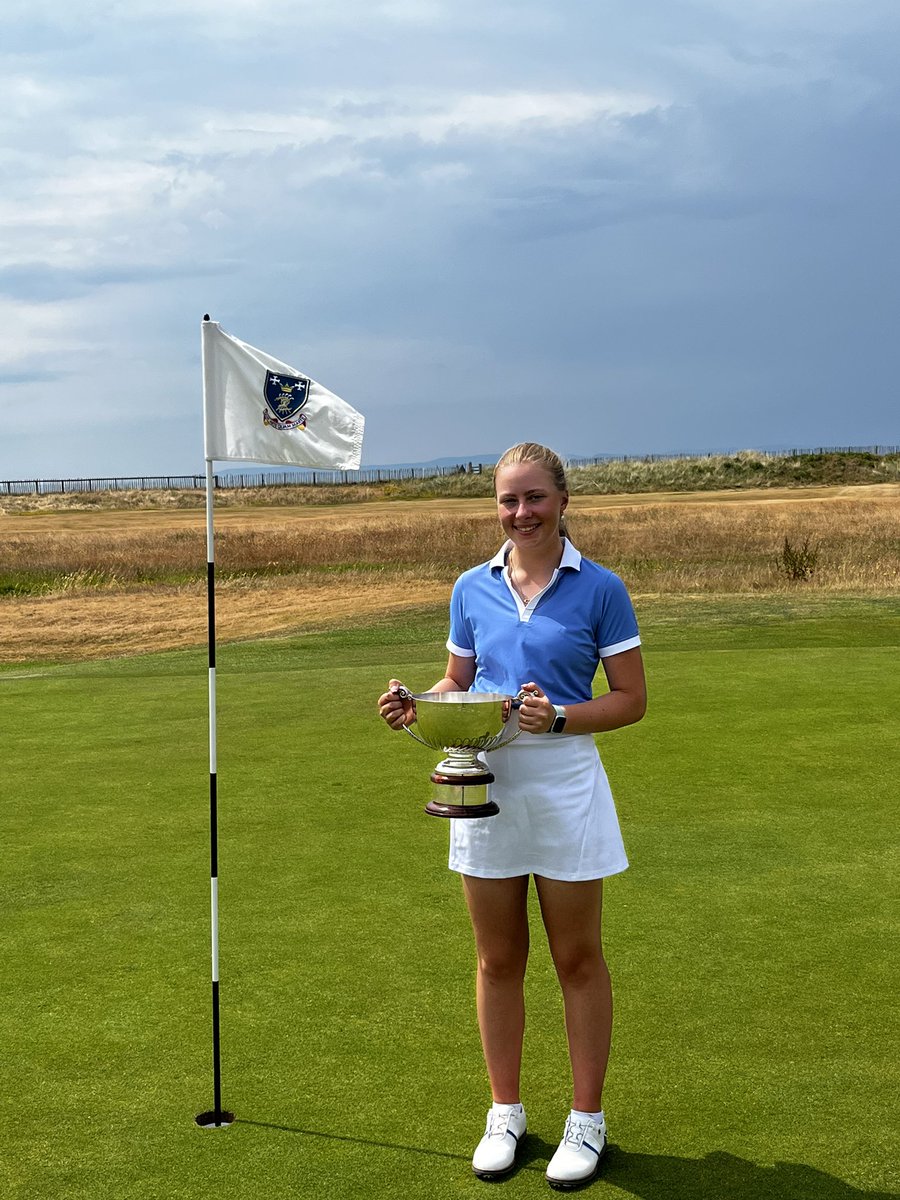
(620, 647)
(459, 651)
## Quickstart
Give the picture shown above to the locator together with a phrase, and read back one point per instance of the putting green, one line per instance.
(749, 942)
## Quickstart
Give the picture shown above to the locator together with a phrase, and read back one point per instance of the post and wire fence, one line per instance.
(238, 480)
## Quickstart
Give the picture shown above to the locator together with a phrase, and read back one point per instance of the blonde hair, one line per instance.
(541, 456)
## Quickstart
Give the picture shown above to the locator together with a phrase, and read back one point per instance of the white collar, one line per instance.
(571, 557)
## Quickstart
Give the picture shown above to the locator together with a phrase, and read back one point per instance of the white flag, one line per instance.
(261, 410)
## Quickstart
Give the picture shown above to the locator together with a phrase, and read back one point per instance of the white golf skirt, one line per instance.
(557, 815)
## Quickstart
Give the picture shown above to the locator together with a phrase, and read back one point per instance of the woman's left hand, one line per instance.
(537, 714)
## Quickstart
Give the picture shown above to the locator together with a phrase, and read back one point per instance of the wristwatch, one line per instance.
(559, 721)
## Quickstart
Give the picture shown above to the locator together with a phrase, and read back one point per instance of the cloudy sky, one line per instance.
(610, 225)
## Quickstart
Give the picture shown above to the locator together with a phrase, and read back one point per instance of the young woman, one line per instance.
(540, 618)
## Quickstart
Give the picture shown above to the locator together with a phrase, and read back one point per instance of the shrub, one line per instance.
(798, 560)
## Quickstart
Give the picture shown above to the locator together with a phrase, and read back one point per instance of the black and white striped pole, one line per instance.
(216, 1118)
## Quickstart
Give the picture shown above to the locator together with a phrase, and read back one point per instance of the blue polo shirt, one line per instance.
(557, 639)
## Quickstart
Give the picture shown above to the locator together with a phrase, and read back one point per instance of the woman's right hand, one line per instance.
(396, 711)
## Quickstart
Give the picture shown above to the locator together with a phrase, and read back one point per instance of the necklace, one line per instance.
(527, 590)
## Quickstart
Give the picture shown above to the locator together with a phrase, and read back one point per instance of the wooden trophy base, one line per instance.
(462, 797)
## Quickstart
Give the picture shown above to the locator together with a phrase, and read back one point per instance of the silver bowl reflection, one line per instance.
(464, 724)
(471, 719)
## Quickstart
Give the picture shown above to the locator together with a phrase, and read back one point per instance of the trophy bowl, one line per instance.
(463, 725)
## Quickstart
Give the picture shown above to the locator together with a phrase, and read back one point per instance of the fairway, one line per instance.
(753, 1054)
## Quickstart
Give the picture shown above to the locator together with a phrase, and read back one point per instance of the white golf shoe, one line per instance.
(577, 1158)
(495, 1154)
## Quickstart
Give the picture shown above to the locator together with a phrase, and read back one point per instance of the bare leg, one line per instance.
(499, 912)
(572, 914)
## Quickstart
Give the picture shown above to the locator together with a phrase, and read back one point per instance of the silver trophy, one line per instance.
(464, 725)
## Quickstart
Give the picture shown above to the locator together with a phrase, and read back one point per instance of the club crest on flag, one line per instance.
(285, 395)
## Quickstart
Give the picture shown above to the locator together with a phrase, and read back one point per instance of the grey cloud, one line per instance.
(12, 378)
(40, 282)
(720, 269)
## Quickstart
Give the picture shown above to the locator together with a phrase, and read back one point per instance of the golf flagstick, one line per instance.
(257, 408)
(216, 1118)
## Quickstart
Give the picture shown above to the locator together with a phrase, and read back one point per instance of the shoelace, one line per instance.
(576, 1132)
(499, 1124)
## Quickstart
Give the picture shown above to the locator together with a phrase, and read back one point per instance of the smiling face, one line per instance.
(529, 505)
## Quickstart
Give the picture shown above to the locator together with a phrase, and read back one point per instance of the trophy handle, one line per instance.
(509, 705)
(416, 736)
(406, 694)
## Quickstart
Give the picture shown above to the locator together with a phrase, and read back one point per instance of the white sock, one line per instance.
(499, 1109)
(595, 1116)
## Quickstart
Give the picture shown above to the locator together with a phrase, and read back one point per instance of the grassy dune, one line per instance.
(748, 469)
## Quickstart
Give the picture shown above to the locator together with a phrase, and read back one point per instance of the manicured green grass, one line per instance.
(750, 941)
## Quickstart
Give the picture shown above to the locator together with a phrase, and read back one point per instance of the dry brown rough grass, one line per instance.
(118, 583)
(88, 625)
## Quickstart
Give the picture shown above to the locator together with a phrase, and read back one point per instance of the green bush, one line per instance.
(798, 560)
